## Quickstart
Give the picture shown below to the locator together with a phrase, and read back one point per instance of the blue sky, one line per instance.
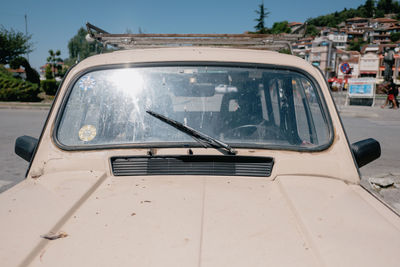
(53, 23)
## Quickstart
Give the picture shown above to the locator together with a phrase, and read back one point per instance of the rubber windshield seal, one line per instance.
(318, 92)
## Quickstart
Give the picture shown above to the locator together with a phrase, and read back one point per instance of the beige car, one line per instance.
(145, 161)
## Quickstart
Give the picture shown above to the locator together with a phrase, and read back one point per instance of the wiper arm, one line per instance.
(200, 137)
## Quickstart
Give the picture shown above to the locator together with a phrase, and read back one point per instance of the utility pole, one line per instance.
(26, 32)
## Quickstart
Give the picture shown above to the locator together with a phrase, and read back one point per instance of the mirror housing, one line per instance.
(25, 147)
(196, 90)
(366, 151)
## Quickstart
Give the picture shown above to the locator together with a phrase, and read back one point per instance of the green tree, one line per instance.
(369, 8)
(379, 13)
(388, 6)
(356, 44)
(263, 14)
(54, 60)
(312, 30)
(48, 74)
(13, 44)
(13, 89)
(395, 36)
(280, 27)
(31, 74)
(79, 48)
(285, 51)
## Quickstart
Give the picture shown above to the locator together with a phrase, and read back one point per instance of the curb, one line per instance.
(25, 105)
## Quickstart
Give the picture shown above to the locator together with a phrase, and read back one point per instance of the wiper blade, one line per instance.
(200, 137)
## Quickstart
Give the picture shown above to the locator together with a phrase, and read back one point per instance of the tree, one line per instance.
(263, 14)
(369, 8)
(31, 74)
(13, 44)
(395, 36)
(280, 27)
(54, 60)
(48, 73)
(388, 6)
(356, 44)
(379, 13)
(312, 30)
(14, 89)
(79, 48)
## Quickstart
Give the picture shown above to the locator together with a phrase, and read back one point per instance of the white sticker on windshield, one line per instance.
(87, 133)
(86, 83)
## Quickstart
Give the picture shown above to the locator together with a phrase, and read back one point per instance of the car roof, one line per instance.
(197, 54)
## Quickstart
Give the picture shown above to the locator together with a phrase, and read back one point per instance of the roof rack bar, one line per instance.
(91, 27)
(252, 41)
(200, 35)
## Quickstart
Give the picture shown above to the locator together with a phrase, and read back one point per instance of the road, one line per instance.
(359, 122)
(14, 123)
(380, 124)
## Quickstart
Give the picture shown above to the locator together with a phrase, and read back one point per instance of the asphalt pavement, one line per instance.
(16, 122)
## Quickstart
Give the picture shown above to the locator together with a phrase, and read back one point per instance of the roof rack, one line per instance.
(253, 41)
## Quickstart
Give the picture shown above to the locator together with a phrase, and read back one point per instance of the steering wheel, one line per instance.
(242, 131)
(255, 131)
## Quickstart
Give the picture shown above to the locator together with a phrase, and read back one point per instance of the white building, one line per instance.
(339, 39)
(323, 55)
(369, 62)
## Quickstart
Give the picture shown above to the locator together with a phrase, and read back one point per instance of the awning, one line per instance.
(338, 80)
(368, 72)
(383, 68)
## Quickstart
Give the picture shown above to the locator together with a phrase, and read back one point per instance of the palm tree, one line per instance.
(53, 60)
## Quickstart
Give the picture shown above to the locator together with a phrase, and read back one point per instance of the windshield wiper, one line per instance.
(203, 139)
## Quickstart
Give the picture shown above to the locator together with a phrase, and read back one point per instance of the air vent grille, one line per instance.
(192, 165)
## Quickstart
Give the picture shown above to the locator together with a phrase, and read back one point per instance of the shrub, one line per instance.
(13, 89)
(49, 86)
(31, 74)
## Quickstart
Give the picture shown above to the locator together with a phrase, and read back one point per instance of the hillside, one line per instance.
(370, 9)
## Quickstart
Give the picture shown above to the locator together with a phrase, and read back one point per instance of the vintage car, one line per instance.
(145, 161)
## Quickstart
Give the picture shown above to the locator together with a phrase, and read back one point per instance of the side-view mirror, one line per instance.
(366, 151)
(25, 146)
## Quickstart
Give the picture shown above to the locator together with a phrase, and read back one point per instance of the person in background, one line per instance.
(392, 92)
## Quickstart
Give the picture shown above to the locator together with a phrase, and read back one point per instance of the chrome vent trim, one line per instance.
(192, 165)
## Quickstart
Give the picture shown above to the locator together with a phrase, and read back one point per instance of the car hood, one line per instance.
(196, 221)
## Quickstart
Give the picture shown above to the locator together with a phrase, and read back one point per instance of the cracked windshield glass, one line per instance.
(242, 106)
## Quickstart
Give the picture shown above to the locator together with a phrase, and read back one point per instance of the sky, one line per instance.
(53, 23)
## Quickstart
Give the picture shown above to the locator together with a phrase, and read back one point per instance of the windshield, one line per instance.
(240, 106)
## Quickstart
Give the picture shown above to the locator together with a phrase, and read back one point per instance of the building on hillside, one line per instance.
(302, 48)
(393, 29)
(339, 39)
(355, 35)
(369, 61)
(295, 26)
(379, 23)
(342, 25)
(323, 55)
(337, 36)
(349, 58)
(380, 36)
(357, 21)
